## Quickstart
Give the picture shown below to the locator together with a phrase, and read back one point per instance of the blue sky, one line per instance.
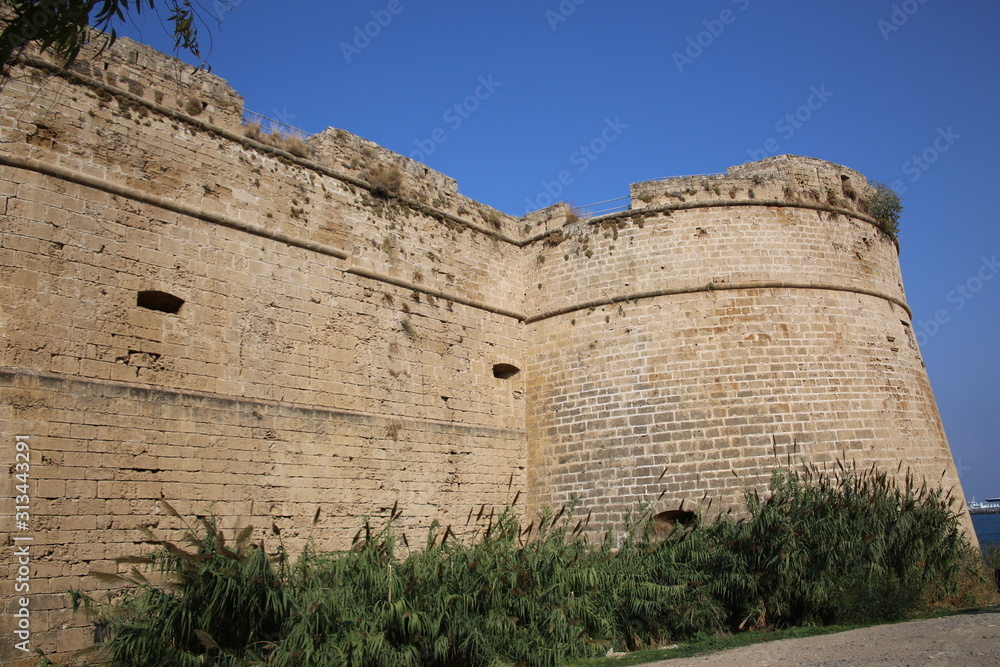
(906, 92)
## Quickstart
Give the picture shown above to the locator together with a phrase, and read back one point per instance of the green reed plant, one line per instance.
(207, 600)
(503, 597)
(991, 553)
(816, 548)
(657, 587)
(842, 547)
(991, 560)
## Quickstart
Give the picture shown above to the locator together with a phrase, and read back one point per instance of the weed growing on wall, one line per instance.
(816, 548)
(386, 180)
(885, 207)
(289, 143)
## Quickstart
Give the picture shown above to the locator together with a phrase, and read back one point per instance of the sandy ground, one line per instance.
(967, 640)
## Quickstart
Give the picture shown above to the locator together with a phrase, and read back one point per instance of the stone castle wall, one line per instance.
(334, 351)
(345, 311)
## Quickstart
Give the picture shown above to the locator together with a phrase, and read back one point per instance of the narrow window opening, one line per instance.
(161, 301)
(505, 371)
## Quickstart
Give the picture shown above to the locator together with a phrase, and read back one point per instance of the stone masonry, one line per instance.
(296, 334)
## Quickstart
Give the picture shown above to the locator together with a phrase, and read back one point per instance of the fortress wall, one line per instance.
(120, 141)
(338, 358)
(387, 261)
(345, 307)
(714, 343)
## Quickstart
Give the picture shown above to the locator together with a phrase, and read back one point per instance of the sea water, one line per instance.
(987, 528)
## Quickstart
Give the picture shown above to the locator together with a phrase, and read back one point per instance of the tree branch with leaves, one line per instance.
(63, 27)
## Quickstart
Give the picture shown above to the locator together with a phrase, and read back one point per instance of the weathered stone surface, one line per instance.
(344, 313)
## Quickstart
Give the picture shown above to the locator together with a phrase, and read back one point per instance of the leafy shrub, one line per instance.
(885, 207)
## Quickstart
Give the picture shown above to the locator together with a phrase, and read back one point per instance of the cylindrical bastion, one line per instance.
(723, 326)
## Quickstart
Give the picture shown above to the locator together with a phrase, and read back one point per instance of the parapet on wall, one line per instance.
(295, 334)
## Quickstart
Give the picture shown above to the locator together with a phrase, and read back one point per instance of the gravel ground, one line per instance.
(967, 640)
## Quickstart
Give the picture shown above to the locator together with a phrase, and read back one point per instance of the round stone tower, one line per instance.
(721, 327)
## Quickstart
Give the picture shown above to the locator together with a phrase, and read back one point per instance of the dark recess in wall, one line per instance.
(161, 301)
(505, 371)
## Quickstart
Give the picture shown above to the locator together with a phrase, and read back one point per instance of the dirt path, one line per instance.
(967, 640)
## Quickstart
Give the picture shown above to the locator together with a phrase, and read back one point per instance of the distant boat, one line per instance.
(988, 506)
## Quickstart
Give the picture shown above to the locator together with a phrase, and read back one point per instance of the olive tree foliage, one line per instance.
(885, 207)
(63, 27)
